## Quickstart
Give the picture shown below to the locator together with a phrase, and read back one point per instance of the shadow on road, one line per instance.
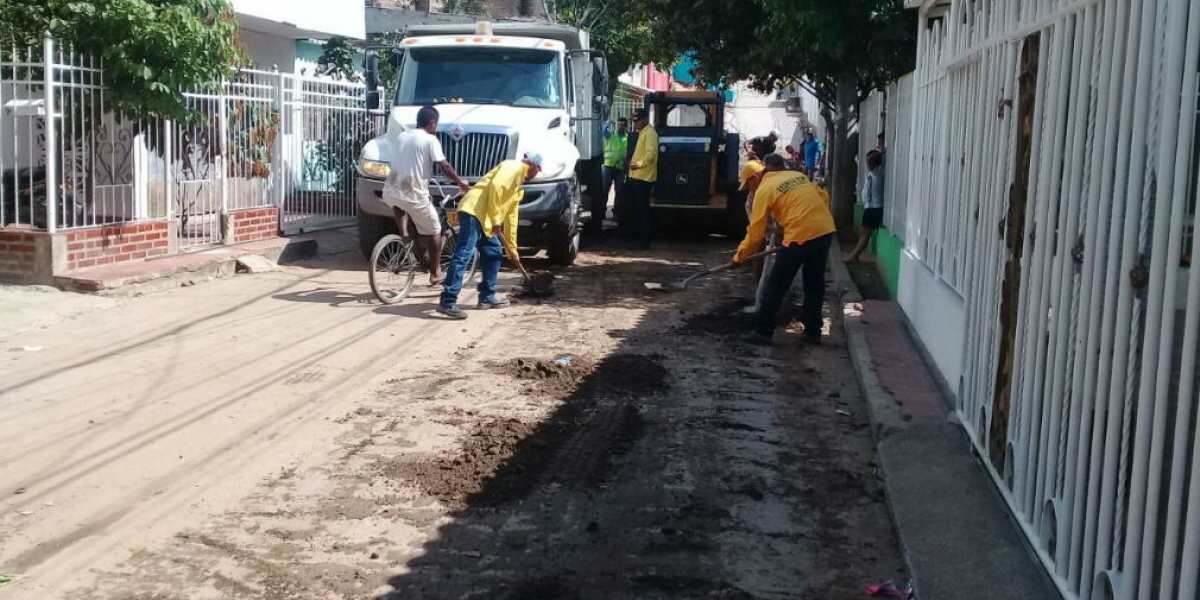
(670, 469)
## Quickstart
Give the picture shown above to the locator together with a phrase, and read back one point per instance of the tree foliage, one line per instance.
(151, 50)
(769, 42)
(621, 28)
(464, 7)
(340, 60)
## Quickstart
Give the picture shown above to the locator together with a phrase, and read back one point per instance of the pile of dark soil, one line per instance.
(540, 285)
(452, 479)
(504, 460)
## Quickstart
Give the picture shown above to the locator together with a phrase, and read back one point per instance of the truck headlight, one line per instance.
(373, 168)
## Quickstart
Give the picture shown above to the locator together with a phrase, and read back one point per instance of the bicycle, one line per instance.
(397, 259)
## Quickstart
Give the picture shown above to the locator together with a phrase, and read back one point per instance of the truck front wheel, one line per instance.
(371, 229)
(565, 233)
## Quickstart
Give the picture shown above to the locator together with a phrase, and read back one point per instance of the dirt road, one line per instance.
(280, 436)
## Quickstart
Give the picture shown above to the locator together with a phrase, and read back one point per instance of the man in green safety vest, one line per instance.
(616, 147)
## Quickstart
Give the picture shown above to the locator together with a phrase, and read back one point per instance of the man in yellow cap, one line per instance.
(643, 173)
(487, 220)
(802, 210)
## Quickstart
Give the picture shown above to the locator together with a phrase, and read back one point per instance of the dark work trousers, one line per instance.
(810, 258)
(614, 179)
(637, 200)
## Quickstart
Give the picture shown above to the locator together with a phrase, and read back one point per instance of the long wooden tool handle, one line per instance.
(729, 265)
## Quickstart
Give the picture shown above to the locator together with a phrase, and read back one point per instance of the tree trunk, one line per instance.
(843, 153)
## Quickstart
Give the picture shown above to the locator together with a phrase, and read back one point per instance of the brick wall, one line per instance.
(252, 224)
(24, 255)
(116, 243)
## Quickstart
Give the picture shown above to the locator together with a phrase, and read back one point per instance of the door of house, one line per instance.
(1013, 229)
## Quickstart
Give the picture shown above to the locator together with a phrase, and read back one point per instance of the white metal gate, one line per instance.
(325, 125)
(1094, 442)
(261, 139)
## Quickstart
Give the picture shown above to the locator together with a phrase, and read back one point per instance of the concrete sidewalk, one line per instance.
(955, 531)
(194, 267)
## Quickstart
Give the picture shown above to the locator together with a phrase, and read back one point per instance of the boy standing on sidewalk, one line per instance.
(802, 210)
(872, 200)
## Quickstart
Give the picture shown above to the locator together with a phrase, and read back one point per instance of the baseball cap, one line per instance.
(775, 133)
(534, 158)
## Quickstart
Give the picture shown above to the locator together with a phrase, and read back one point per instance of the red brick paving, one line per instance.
(898, 363)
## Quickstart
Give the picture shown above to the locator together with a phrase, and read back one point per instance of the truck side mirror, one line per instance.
(371, 76)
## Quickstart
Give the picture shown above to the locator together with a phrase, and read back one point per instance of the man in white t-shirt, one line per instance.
(407, 187)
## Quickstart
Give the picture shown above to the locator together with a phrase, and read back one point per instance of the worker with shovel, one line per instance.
(488, 221)
(801, 208)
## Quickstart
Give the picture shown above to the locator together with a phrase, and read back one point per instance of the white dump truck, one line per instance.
(503, 90)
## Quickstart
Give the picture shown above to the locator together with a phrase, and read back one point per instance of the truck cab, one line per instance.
(502, 92)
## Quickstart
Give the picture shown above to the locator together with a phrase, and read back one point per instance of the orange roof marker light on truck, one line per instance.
(410, 41)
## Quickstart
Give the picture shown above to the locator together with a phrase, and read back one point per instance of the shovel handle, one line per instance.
(729, 265)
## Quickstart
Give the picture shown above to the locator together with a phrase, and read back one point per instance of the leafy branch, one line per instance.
(151, 50)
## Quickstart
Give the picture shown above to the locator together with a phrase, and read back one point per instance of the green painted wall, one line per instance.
(887, 248)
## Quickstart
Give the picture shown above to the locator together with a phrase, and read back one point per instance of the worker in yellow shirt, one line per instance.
(487, 220)
(643, 173)
(801, 208)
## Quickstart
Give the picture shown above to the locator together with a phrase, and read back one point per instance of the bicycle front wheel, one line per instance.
(393, 269)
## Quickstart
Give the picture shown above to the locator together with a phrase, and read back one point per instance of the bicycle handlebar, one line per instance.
(446, 200)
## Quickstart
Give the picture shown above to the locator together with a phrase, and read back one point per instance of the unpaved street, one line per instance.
(281, 436)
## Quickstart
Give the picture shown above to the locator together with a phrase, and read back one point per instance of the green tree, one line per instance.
(152, 50)
(621, 28)
(845, 49)
(464, 7)
(340, 60)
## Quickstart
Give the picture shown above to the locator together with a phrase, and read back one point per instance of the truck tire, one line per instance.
(565, 233)
(371, 229)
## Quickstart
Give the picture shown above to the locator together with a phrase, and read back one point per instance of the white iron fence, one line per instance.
(1053, 183)
(261, 139)
(889, 112)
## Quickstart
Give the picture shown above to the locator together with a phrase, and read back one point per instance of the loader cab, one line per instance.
(697, 160)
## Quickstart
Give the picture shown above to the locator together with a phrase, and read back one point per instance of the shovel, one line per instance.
(536, 288)
(679, 286)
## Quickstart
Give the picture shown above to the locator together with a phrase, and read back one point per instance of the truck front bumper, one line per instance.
(543, 204)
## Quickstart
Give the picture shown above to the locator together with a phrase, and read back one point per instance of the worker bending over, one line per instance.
(801, 208)
(487, 221)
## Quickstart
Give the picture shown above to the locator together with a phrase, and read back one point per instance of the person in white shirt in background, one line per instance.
(407, 187)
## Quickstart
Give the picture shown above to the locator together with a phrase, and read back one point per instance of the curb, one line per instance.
(955, 532)
(884, 414)
(881, 407)
(224, 262)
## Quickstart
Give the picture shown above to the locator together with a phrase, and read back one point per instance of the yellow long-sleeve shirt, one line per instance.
(496, 198)
(645, 156)
(800, 207)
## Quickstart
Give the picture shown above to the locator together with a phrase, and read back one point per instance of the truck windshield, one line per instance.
(526, 78)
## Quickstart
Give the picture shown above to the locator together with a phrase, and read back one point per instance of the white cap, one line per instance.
(534, 158)
(775, 134)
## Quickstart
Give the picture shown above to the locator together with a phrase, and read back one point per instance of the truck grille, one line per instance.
(475, 154)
